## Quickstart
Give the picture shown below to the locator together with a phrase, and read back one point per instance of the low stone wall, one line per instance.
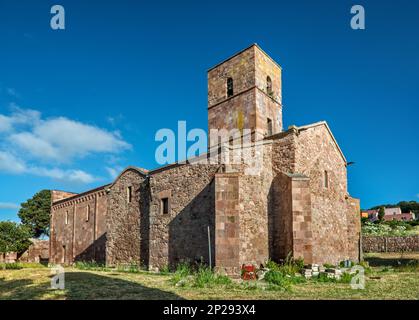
(37, 252)
(390, 244)
(9, 257)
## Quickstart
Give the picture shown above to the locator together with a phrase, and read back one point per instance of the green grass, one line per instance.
(203, 277)
(400, 281)
(20, 265)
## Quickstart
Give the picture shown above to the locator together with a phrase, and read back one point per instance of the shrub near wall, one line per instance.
(390, 244)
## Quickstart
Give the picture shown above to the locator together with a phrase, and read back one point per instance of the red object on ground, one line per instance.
(248, 272)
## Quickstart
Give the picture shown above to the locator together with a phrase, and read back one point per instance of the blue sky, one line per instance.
(79, 104)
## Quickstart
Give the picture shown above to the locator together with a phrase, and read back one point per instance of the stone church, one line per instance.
(216, 213)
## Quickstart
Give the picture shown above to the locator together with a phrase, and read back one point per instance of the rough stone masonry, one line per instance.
(298, 204)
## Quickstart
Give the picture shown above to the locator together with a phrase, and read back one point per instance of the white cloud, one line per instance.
(59, 139)
(64, 139)
(9, 163)
(76, 176)
(34, 145)
(7, 205)
(5, 123)
(25, 117)
(28, 142)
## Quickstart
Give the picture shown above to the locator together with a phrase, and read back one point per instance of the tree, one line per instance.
(381, 213)
(14, 237)
(35, 213)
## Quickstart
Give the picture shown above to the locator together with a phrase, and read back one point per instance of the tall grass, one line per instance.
(91, 265)
(206, 277)
(202, 277)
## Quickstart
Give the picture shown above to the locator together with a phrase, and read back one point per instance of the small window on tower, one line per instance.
(326, 179)
(165, 205)
(269, 86)
(269, 130)
(230, 87)
(66, 217)
(87, 213)
(129, 194)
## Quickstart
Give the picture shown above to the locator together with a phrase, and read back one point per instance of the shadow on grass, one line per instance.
(394, 262)
(83, 286)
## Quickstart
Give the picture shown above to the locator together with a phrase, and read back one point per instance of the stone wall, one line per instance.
(265, 67)
(251, 105)
(182, 234)
(266, 107)
(280, 218)
(123, 219)
(390, 244)
(316, 153)
(302, 231)
(240, 67)
(78, 230)
(238, 111)
(354, 229)
(227, 222)
(57, 195)
(9, 257)
(37, 252)
(254, 205)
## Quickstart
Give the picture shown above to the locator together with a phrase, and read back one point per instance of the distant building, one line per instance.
(372, 215)
(391, 214)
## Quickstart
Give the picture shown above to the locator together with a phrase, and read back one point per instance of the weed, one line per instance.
(206, 277)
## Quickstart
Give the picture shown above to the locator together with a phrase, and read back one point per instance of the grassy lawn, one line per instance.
(391, 278)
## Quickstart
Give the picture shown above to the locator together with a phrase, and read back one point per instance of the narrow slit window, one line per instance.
(269, 130)
(165, 205)
(230, 87)
(129, 194)
(326, 179)
(66, 217)
(87, 213)
(269, 86)
(64, 253)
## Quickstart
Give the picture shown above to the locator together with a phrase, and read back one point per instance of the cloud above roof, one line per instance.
(30, 144)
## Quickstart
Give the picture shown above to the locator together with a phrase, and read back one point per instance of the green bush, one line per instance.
(290, 266)
(165, 270)
(324, 278)
(183, 270)
(345, 278)
(390, 228)
(271, 265)
(366, 266)
(205, 277)
(278, 279)
(200, 278)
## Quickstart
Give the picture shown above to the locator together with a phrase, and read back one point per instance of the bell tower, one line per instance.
(245, 92)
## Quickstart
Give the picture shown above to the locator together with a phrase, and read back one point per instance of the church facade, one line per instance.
(212, 212)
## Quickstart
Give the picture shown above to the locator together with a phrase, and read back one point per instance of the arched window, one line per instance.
(230, 89)
(269, 85)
